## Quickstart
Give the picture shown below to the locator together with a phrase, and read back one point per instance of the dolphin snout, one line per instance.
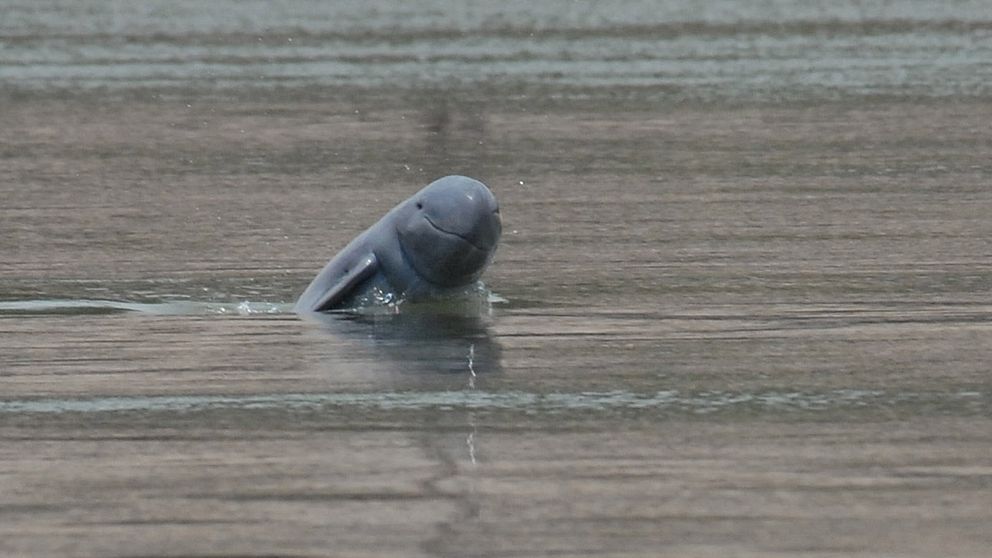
(485, 230)
(482, 234)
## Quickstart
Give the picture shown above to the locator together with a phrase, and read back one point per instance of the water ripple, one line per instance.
(75, 306)
(695, 403)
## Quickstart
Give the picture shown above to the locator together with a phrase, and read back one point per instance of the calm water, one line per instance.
(741, 306)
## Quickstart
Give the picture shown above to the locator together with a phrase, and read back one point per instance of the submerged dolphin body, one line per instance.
(440, 239)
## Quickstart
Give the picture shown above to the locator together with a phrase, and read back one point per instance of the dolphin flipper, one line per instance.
(365, 268)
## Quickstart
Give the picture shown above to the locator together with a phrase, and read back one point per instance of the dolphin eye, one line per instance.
(420, 205)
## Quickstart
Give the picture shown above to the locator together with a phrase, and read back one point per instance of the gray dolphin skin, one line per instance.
(440, 239)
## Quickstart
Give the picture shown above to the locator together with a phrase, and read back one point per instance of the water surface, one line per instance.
(742, 294)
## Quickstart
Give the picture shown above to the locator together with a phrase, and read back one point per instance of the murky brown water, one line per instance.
(735, 324)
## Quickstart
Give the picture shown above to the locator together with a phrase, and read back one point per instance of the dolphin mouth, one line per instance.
(451, 233)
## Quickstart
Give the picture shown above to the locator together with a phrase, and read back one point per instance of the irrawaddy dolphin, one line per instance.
(439, 240)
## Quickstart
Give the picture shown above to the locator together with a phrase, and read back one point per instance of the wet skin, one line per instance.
(440, 239)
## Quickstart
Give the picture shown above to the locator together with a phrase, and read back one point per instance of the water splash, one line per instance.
(473, 300)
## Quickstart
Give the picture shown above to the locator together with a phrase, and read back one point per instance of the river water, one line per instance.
(740, 308)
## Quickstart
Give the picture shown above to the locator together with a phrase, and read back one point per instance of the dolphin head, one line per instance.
(449, 230)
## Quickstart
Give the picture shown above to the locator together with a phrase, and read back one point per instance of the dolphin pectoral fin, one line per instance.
(361, 271)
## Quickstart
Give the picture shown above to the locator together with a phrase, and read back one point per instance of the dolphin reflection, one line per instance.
(422, 341)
